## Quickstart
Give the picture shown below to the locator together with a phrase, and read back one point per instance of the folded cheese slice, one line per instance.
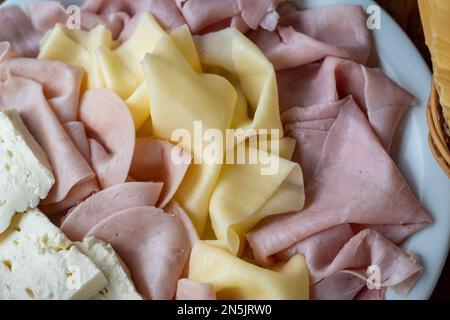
(231, 51)
(236, 279)
(38, 262)
(117, 68)
(25, 173)
(244, 196)
(201, 97)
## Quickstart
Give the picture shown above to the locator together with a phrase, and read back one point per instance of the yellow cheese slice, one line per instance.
(244, 195)
(78, 48)
(236, 279)
(139, 106)
(178, 98)
(182, 38)
(233, 52)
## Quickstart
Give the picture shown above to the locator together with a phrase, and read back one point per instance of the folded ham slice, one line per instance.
(311, 35)
(100, 206)
(77, 132)
(335, 79)
(153, 244)
(159, 160)
(110, 129)
(353, 166)
(61, 83)
(19, 31)
(193, 290)
(166, 12)
(7, 51)
(201, 14)
(338, 257)
(69, 166)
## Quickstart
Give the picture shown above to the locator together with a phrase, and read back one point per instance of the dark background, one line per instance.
(406, 13)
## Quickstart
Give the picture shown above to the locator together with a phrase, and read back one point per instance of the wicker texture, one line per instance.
(438, 138)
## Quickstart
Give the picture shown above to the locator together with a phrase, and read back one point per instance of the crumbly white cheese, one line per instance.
(25, 172)
(120, 286)
(37, 261)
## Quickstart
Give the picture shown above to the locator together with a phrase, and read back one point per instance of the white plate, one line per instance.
(399, 58)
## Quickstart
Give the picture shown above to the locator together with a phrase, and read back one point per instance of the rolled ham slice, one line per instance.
(102, 205)
(353, 165)
(110, 129)
(159, 160)
(153, 244)
(193, 290)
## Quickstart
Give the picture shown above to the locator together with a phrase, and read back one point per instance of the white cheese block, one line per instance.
(25, 172)
(120, 286)
(37, 261)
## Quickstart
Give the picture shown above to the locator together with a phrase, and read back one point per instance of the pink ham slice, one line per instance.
(336, 79)
(69, 166)
(153, 244)
(308, 149)
(166, 12)
(158, 160)
(308, 36)
(7, 52)
(353, 165)
(61, 83)
(318, 125)
(202, 14)
(110, 129)
(17, 29)
(334, 255)
(175, 209)
(192, 290)
(106, 203)
(77, 133)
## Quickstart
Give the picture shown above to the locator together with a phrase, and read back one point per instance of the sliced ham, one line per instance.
(153, 244)
(339, 257)
(202, 14)
(110, 129)
(158, 160)
(7, 52)
(166, 12)
(367, 249)
(61, 83)
(336, 79)
(308, 149)
(193, 290)
(103, 204)
(309, 36)
(77, 133)
(77, 194)
(16, 28)
(69, 166)
(355, 182)
(175, 209)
